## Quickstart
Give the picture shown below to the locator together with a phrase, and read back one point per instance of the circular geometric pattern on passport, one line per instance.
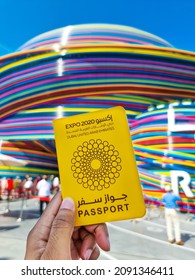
(96, 164)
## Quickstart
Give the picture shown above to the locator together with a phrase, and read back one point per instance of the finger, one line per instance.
(75, 249)
(51, 210)
(39, 235)
(42, 228)
(95, 254)
(88, 244)
(59, 243)
(101, 235)
(76, 244)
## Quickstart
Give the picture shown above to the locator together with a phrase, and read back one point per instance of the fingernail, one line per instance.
(87, 254)
(68, 203)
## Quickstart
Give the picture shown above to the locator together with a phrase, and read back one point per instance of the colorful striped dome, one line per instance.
(87, 67)
(161, 149)
(85, 34)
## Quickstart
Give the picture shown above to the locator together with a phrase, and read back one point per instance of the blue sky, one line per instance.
(21, 20)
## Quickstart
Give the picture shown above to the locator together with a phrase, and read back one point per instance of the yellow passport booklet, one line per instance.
(97, 166)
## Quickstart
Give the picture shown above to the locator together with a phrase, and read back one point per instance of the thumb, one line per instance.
(59, 243)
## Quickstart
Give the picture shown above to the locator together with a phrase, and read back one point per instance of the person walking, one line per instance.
(28, 187)
(171, 216)
(56, 184)
(10, 186)
(0, 190)
(17, 183)
(4, 185)
(44, 192)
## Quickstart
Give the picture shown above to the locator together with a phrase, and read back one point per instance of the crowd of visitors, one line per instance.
(40, 187)
(14, 188)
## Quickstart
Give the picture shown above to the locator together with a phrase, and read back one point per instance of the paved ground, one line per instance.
(143, 239)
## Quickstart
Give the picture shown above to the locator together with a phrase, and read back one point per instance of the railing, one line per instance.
(6, 202)
(155, 209)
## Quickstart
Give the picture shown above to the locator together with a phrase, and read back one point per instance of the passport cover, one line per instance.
(97, 166)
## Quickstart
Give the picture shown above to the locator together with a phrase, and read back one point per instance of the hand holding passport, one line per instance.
(97, 166)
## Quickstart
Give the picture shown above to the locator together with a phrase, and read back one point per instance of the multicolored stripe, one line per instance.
(87, 67)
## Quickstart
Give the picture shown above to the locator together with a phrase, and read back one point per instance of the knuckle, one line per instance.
(88, 238)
